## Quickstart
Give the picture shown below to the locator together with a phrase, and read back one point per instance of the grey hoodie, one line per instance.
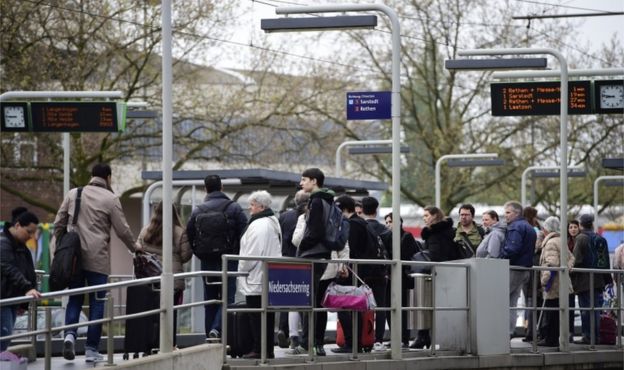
(493, 241)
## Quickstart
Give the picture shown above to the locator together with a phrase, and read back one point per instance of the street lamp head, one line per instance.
(318, 23)
(495, 64)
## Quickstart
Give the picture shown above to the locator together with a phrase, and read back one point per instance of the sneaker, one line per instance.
(282, 339)
(214, 334)
(299, 350)
(378, 347)
(93, 356)
(68, 347)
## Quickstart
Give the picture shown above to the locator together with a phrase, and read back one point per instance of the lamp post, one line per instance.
(525, 173)
(563, 174)
(396, 133)
(453, 156)
(596, 182)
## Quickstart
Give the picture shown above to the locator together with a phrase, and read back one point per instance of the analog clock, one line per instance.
(14, 117)
(611, 96)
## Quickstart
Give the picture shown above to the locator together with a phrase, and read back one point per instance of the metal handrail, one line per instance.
(264, 309)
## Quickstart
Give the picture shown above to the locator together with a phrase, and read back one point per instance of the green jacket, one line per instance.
(474, 235)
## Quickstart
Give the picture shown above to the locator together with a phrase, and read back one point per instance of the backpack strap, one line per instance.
(77, 206)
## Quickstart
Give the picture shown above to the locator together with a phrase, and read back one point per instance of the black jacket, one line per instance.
(312, 243)
(358, 244)
(288, 222)
(409, 247)
(234, 212)
(16, 266)
(439, 241)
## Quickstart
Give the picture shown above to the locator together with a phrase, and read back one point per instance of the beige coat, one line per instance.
(182, 252)
(100, 211)
(551, 253)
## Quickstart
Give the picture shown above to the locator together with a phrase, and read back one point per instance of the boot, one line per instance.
(423, 340)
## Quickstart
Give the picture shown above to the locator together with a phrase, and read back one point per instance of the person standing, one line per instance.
(262, 237)
(313, 246)
(17, 272)
(150, 241)
(494, 239)
(550, 257)
(288, 221)
(518, 249)
(100, 213)
(583, 258)
(217, 207)
(438, 235)
(467, 229)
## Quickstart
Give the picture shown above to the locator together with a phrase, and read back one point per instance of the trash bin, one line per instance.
(422, 297)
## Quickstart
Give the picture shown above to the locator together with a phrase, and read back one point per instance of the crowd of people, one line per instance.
(517, 235)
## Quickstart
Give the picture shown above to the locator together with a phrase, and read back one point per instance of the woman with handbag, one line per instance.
(438, 235)
(263, 238)
(150, 239)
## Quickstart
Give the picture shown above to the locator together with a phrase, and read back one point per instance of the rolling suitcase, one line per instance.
(239, 338)
(142, 334)
(367, 334)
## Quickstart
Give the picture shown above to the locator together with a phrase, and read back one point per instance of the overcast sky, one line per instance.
(593, 32)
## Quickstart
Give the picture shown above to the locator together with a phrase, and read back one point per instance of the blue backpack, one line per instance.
(336, 227)
(599, 252)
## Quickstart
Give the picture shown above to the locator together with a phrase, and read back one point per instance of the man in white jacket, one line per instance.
(262, 237)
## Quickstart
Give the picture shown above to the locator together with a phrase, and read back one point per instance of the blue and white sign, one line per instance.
(290, 284)
(369, 105)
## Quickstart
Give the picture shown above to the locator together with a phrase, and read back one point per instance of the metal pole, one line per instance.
(563, 175)
(453, 156)
(110, 338)
(338, 170)
(224, 305)
(166, 293)
(48, 339)
(596, 182)
(395, 297)
(530, 169)
(66, 161)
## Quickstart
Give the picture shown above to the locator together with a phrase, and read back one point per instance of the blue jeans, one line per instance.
(8, 314)
(212, 318)
(96, 308)
(584, 301)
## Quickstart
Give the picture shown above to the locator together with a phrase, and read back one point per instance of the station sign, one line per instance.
(290, 284)
(539, 98)
(369, 105)
(67, 116)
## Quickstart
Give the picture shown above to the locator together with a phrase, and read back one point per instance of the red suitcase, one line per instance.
(608, 329)
(367, 336)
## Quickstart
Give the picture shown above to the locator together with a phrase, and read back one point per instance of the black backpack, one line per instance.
(67, 263)
(336, 227)
(213, 232)
(375, 247)
(599, 252)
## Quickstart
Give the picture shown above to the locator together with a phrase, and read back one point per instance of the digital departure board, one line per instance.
(74, 117)
(539, 98)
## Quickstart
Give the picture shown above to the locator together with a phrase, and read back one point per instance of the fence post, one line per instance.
(110, 339)
(48, 339)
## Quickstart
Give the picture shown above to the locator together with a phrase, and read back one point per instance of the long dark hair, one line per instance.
(530, 214)
(153, 234)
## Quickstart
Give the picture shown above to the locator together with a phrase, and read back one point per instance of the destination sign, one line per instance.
(539, 98)
(75, 117)
(369, 105)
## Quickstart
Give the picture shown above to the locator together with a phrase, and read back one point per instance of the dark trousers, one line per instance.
(571, 305)
(283, 322)
(320, 318)
(379, 285)
(177, 300)
(212, 318)
(404, 303)
(551, 330)
(255, 301)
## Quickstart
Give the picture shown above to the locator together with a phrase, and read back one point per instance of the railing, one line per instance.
(110, 317)
(618, 309)
(264, 309)
(109, 309)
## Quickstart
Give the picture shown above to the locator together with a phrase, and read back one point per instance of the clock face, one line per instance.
(612, 96)
(14, 117)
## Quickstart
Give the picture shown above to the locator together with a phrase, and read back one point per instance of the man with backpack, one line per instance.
(468, 232)
(214, 229)
(590, 251)
(97, 214)
(314, 244)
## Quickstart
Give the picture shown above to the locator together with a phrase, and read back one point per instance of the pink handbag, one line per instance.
(349, 297)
